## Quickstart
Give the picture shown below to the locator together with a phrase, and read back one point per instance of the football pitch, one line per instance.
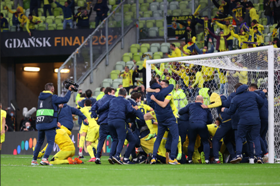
(16, 170)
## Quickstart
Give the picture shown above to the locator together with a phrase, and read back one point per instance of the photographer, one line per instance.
(46, 122)
(27, 127)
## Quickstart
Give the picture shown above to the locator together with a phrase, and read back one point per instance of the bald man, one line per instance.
(198, 120)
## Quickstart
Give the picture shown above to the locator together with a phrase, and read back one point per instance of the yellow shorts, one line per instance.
(63, 155)
(93, 133)
(2, 138)
(147, 146)
(84, 128)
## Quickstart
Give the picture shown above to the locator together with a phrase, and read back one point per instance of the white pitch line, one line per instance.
(213, 184)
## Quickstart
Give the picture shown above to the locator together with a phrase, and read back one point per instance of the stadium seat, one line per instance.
(97, 91)
(142, 23)
(162, 5)
(145, 44)
(57, 12)
(144, 49)
(133, 49)
(183, 5)
(161, 32)
(177, 44)
(136, 45)
(112, 2)
(154, 6)
(173, 5)
(126, 7)
(264, 21)
(114, 74)
(153, 32)
(176, 12)
(150, 23)
(40, 11)
(42, 27)
(133, 8)
(116, 83)
(147, 14)
(127, 57)
(140, 64)
(158, 55)
(107, 83)
(127, 17)
(59, 26)
(137, 56)
(159, 23)
(58, 20)
(165, 47)
(52, 27)
(81, 3)
(156, 14)
(144, 7)
(49, 20)
(131, 1)
(43, 18)
(155, 47)
(149, 1)
(53, 5)
(119, 67)
(118, 16)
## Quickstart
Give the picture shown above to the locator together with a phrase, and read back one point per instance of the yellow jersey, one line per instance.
(86, 112)
(63, 140)
(127, 78)
(176, 53)
(3, 116)
(182, 73)
(223, 76)
(172, 105)
(198, 80)
(30, 24)
(208, 72)
(242, 76)
(144, 108)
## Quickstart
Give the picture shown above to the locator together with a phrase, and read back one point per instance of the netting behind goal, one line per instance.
(220, 72)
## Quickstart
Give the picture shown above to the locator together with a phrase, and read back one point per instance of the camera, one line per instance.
(68, 83)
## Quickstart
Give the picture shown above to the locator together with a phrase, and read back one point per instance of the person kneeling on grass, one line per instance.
(66, 146)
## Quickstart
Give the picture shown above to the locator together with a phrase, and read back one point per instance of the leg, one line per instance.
(254, 135)
(264, 129)
(45, 10)
(192, 133)
(50, 10)
(97, 19)
(204, 134)
(121, 134)
(241, 134)
(61, 157)
(64, 24)
(161, 130)
(50, 134)
(131, 146)
(41, 138)
(229, 44)
(114, 137)
(173, 130)
(71, 23)
(103, 133)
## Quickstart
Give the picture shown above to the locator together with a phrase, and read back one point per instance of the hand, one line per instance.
(177, 37)
(223, 109)
(70, 87)
(58, 124)
(157, 90)
(103, 14)
(264, 90)
(22, 24)
(2, 132)
(25, 129)
(210, 40)
(98, 9)
(86, 120)
(135, 107)
(134, 61)
(175, 19)
(153, 97)
(30, 34)
(204, 106)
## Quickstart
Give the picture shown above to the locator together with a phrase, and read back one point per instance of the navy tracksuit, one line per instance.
(49, 129)
(249, 125)
(81, 104)
(198, 120)
(103, 122)
(118, 107)
(224, 131)
(166, 120)
(65, 116)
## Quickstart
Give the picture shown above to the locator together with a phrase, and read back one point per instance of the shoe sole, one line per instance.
(46, 164)
(259, 162)
(98, 162)
(235, 161)
(111, 161)
(117, 161)
(265, 159)
(34, 164)
(142, 162)
(172, 163)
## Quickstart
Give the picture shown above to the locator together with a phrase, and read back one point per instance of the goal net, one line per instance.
(220, 72)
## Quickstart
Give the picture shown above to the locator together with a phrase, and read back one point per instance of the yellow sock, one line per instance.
(82, 141)
(150, 126)
(90, 151)
(59, 162)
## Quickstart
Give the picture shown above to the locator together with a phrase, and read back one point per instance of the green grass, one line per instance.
(16, 170)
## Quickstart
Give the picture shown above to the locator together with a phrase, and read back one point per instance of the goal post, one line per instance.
(261, 64)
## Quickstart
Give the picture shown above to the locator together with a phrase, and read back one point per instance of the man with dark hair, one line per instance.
(102, 89)
(249, 125)
(103, 122)
(31, 22)
(67, 12)
(46, 122)
(176, 52)
(88, 96)
(118, 108)
(264, 118)
(198, 120)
